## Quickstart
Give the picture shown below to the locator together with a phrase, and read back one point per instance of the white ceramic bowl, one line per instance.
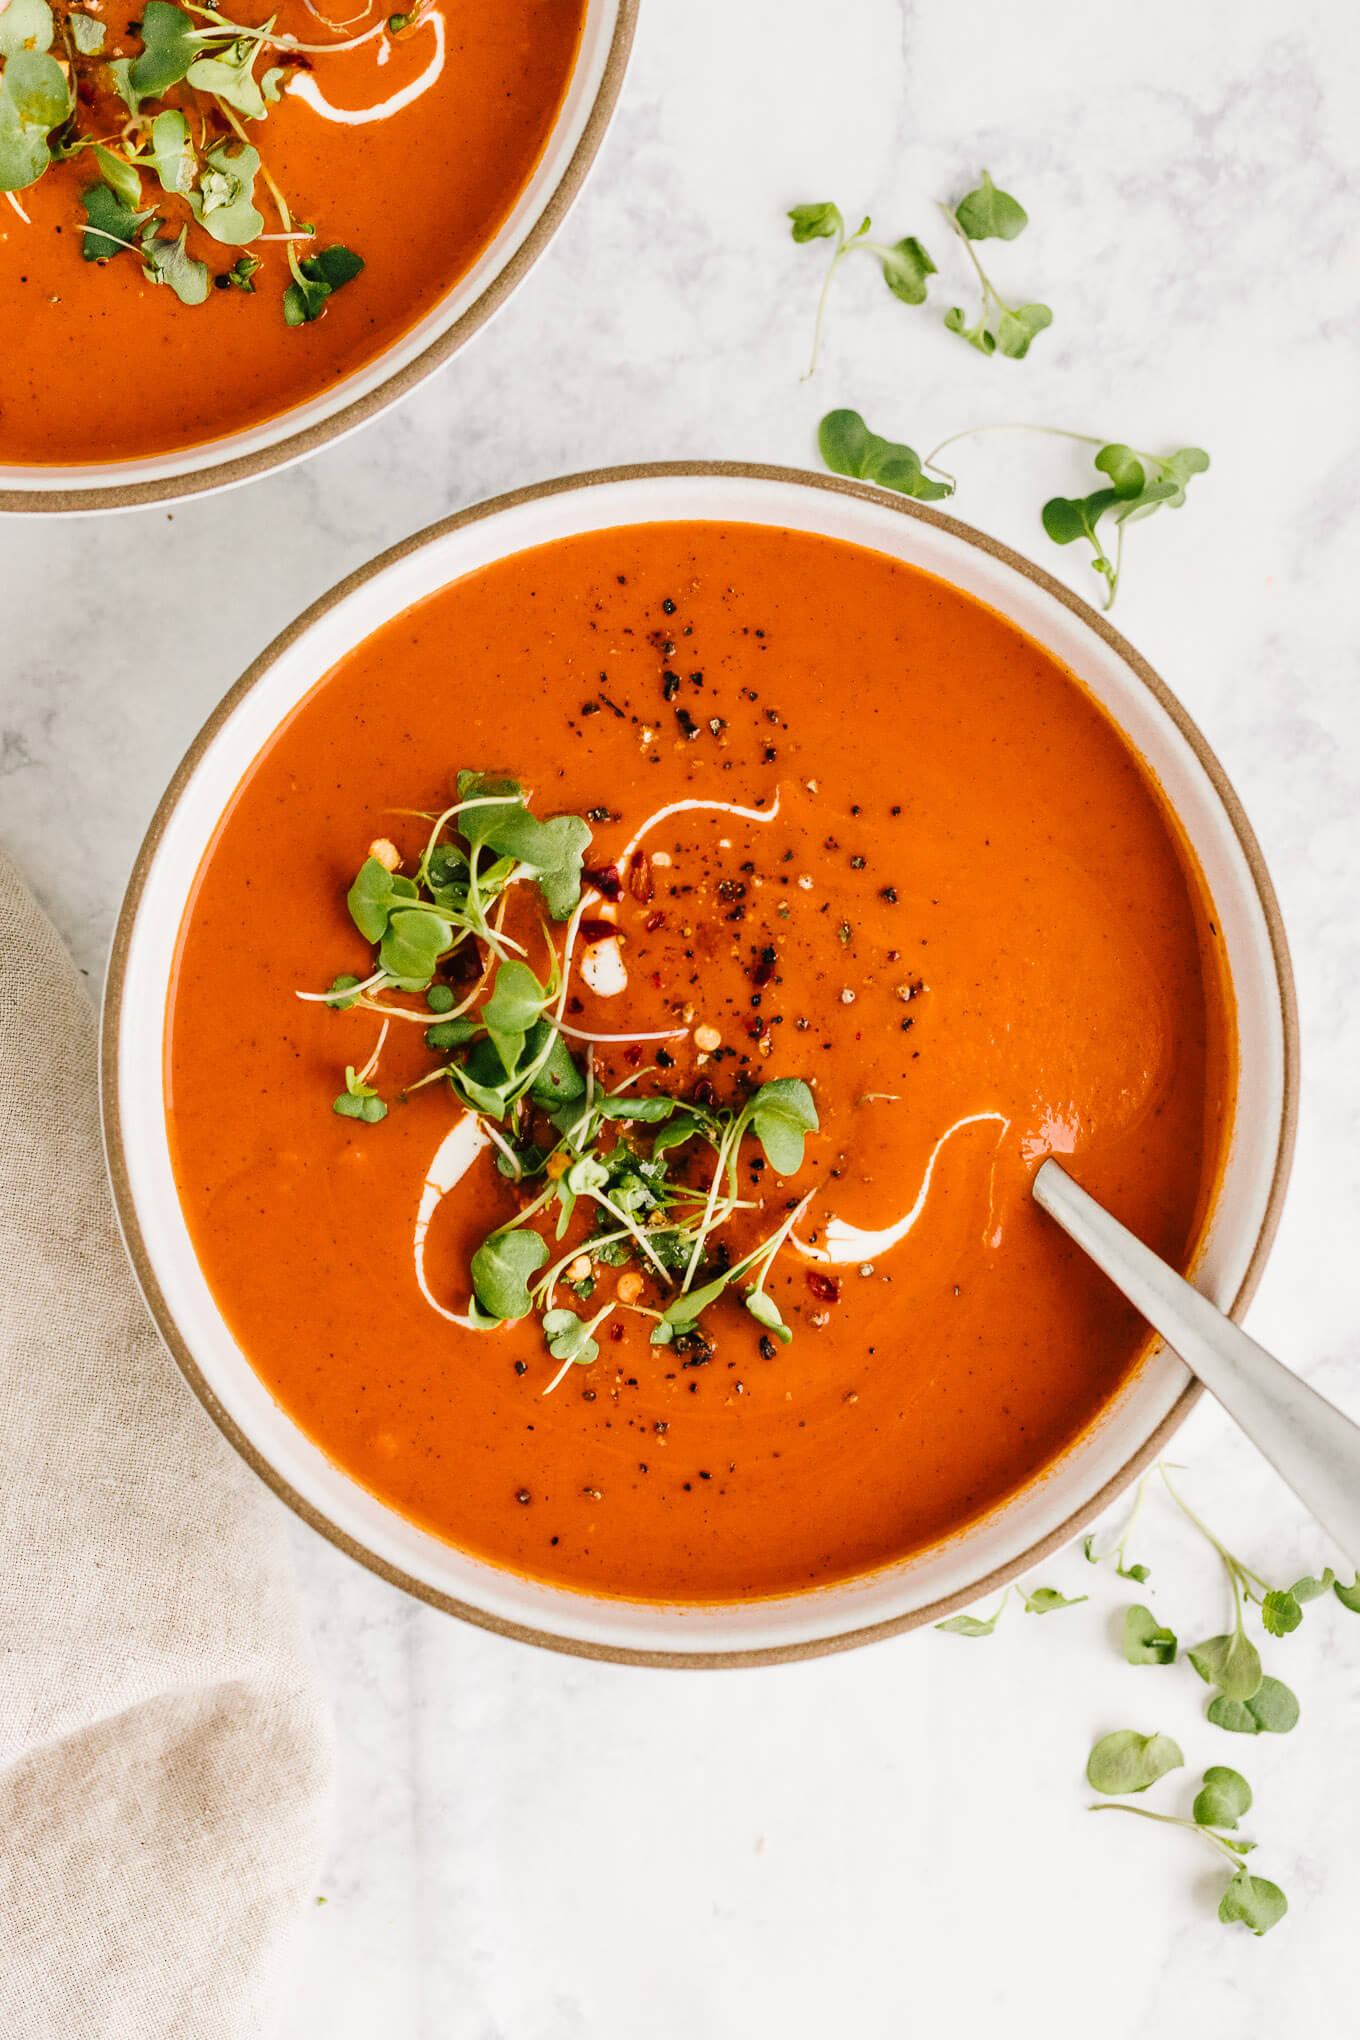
(1055, 1504)
(584, 115)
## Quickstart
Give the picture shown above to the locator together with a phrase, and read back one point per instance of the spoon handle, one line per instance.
(1307, 1440)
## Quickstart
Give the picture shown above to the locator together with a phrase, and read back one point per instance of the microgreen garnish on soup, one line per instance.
(163, 128)
(643, 1183)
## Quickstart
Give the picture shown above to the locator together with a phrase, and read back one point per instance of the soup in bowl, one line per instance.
(227, 235)
(584, 1025)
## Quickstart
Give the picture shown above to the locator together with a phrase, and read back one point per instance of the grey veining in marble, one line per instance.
(531, 1848)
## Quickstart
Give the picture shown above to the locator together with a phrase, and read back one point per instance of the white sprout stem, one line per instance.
(767, 1251)
(1194, 1827)
(19, 209)
(351, 992)
(504, 1146)
(367, 1071)
(707, 1223)
(578, 1034)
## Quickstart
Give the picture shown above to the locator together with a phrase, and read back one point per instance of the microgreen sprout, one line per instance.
(999, 328)
(905, 264)
(1223, 1797)
(1138, 483)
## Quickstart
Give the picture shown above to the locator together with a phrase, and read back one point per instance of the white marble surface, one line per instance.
(530, 1848)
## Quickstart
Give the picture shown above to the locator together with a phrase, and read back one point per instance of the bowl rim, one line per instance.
(130, 1223)
(295, 446)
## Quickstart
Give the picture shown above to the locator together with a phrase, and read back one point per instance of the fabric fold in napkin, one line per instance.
(165, 1752)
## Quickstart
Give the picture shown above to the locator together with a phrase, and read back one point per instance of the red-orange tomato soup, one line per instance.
(103, 365)
(982, 942)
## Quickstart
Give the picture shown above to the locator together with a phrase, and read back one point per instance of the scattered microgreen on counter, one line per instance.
(1139, 483)
(1129, 1762)
(999, 328)
(984, 214)
(613, 1169)
(165, 172)
(1247, 1700)
(905, 263)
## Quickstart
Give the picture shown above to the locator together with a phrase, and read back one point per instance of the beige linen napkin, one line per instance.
(165, 1754)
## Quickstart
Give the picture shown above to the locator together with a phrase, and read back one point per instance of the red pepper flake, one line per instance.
(605, 879)
(826, 1288)
(653, 922)
(640, 877)
(597, 931)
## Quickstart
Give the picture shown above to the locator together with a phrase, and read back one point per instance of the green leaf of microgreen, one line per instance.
(559, 1080)
(1255, 1901)
(110, 225)
(359, 1100)
(1224, 1797)
(906, 267)
(1016, 329)
(241, 275)
(1047, 1600)
(224, 201)
(169, 262)
(87, 34)
(169, 46)
(373, 897)
(1280, 1612)
(120, 176)
(501, 1268)
(1230, 1662)
(517, 1000)
(412, 946)
(1126, 1761)
(1349, 1597)
(988, 214)
(26, 25)
(319, 277)
(1272, 1710)
(449, 1034)
(975, 1625)
(1146, 1641)
(781, 1114)
(849, 448)
(816, 222)
(34, 99)
(569, 1338)
(1310, 1589)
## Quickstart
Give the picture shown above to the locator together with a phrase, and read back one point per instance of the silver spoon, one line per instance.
(1307, 1440)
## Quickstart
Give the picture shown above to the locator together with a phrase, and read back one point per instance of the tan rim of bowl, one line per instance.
(174, 488)
(131, 1225)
